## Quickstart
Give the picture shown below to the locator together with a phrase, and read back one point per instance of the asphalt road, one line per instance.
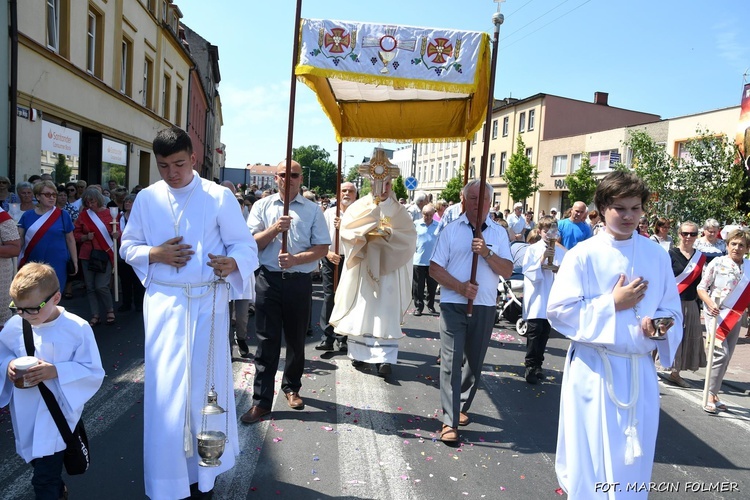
(364, 437)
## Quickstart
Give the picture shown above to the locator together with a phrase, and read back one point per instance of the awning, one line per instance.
(396, 83)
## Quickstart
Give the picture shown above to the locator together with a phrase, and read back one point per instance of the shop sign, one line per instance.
(560, 184)
(60, 140)
(114, 152)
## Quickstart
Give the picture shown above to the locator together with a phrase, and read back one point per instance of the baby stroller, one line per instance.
(510, 291)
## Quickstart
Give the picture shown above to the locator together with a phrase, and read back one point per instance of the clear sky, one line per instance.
(669, 57)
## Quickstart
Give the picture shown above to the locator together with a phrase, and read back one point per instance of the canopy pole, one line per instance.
(338, 214)
(466, 161)
(497, 20)
(290, 126)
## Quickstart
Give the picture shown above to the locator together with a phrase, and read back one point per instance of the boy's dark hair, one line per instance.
(172, 140)
(34, 276)
(620, 185)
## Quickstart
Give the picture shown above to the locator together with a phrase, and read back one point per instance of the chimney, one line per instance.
(601, 98)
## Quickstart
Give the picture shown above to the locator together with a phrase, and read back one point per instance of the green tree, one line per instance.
(62, 170)
(522, 177)
(318, 169)
(581, 183)
(708, 181)
(452, 190)
(399, 188)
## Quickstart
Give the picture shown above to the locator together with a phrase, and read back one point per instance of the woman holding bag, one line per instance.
(93, 230)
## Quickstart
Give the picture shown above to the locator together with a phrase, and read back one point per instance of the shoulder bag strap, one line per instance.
(49, 398)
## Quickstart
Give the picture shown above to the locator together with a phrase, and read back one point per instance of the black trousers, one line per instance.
(537, 335)
(282, 305)
(132, 289)
(326, 270)
(421, 278)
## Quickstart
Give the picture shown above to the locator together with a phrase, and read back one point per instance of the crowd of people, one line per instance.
(231, 255)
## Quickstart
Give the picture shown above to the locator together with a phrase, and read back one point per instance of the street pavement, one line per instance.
(363, 437)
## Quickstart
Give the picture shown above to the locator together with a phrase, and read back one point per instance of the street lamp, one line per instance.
(309, 177)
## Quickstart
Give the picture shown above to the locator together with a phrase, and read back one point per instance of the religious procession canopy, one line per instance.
(396, 83)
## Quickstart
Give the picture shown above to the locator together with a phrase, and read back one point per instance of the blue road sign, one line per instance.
(410, 183)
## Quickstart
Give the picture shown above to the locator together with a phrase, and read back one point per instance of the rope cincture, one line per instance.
(633, 448)
(187, 288)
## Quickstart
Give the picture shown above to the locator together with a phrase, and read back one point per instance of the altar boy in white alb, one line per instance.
(607, 291)
(184, 233)
(68, 363)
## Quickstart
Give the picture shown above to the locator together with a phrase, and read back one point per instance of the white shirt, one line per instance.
(453, 253)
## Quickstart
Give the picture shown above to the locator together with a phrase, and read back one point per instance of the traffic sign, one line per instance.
(411, 183)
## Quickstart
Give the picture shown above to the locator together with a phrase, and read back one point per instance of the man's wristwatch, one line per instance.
(490, 253)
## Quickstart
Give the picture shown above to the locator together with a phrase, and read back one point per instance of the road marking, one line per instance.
(695, 396)
(371, 464)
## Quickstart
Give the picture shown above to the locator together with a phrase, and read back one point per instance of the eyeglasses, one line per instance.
(49, 195)
(71, 190)
(293, 175)
(5, 182)
(31, 311)
(691, 233)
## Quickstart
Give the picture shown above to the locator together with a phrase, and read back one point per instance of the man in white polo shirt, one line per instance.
(462, 336)
(517, 222)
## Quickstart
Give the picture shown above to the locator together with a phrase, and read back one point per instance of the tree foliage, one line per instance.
(319, 171)
(62, 170)
(707, 181)
(522, 177)
(399, 188)
(452, 190)
(582, 183)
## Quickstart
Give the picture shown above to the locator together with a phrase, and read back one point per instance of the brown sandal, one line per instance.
(111, 318)
(449, 434)
(94, 320)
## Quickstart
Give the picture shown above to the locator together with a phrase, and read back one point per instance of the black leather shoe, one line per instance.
(324, 345)
(432, 310)
(357, 364)
(417, 312)
(343, 345)
(530, 375)
(384, 369)
(244, 349)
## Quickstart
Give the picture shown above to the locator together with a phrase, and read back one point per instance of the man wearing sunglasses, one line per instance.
(283, 287)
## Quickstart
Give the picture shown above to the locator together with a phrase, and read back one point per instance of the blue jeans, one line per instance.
(47, 479)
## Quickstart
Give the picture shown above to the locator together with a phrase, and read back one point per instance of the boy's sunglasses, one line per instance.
(31, 311)
(293, 175)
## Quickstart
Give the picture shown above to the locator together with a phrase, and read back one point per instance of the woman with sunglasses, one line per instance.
(687, 266)
(47, 232)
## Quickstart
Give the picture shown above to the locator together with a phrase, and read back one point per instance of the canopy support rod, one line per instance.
(497, 20)
(290, 126)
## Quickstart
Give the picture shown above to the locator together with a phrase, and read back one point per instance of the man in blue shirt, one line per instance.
(574, 229)
(283, 288)
(426, 239)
